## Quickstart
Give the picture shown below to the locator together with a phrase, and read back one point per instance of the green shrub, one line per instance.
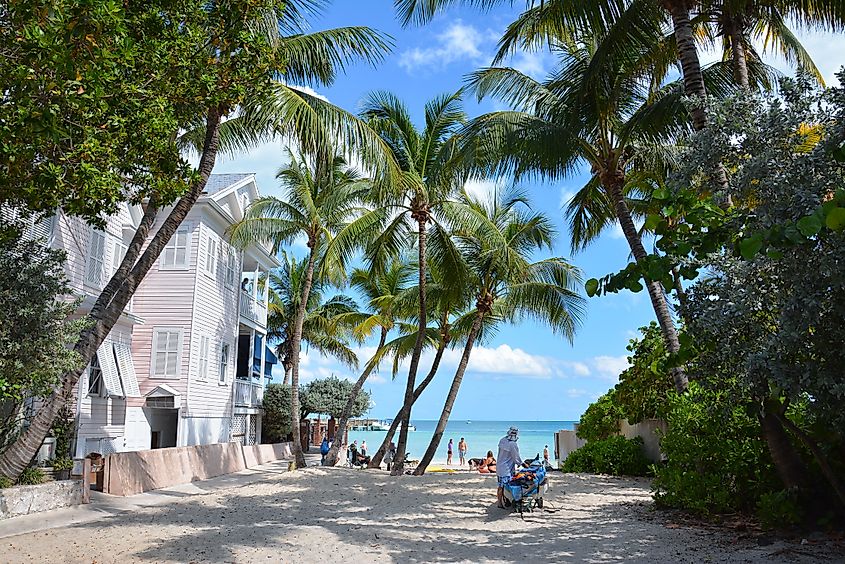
(614, 455)
(5, 482)
(61, 463)
(601, 420)
(778, 509)
(31, 476)
(716, 460)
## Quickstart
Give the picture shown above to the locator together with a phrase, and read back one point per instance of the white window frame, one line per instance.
(179, 331)
(202, 364)
(95, 364)
(173, 246)
(223, 375)
(95, 260)
(210, 255)
(230, 267)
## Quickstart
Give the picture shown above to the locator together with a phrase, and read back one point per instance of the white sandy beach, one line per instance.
(338, 514)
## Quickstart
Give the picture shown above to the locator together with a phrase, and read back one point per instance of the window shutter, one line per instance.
(96, 257)
(123, 353)
(108, 366)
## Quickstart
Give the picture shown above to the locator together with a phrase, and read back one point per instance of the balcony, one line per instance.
(253, 310)
(248, 394)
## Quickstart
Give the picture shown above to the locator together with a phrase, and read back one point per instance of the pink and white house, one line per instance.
(187, 362)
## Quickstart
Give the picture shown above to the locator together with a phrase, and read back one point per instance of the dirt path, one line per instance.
(331, 515)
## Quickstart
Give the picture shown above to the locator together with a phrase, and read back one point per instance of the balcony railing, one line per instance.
(248, 394)
(253, 310)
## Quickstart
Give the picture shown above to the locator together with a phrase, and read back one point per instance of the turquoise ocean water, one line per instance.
(480, 436)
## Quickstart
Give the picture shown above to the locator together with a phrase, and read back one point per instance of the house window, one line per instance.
(118, 252)
(96, 258)
(224, 362)
(231, 267)
(203, 367)
(210, 255)
(166, 345)
(95, 378)
(175, 254)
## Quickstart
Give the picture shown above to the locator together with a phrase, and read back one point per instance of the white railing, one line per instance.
(253, 310)
(248, 394)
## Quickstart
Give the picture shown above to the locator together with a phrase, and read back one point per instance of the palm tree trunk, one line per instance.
(787, 463)
(739, 56)
(450, 399)
(688, 57)
(287, 365)
(296, 341)
(16, 458)
(340, 429)
(399, 462)
(375, 461)
(655, 290)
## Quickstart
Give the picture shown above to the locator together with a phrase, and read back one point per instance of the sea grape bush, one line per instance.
(614, 455)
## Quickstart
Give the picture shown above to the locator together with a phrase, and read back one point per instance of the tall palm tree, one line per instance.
(382, 290)
(322, 195)
(407, 209)
(288, 54)
(620, 130)
(507, 285)
(325, 328)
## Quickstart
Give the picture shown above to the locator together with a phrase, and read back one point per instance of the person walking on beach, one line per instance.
(546, 455)
(462, 451)
(449, 453)
(507, 460)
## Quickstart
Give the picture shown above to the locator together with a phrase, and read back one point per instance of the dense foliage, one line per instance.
(614, 455)
(328, 396)
(601, 419)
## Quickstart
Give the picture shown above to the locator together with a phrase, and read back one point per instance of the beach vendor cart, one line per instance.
(526, 487)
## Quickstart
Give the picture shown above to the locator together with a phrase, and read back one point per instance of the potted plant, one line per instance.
(62, 467)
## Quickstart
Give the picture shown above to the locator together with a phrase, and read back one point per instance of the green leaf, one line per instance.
(592, 287)
(835, 219)
(774, 254)
(651, 222)
(809, 225)
(751, 246)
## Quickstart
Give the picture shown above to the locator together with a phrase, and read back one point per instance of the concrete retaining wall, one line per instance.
(566, 442)
(23, 500)
(130, 473)
(649, 429)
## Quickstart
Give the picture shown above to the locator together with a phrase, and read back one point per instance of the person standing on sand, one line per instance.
(546, 455)
(449, 453)
(507, 460)
(324, 450)
(462, 451)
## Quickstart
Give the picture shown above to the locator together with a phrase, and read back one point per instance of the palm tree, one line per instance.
(282, 52)
(620, 130)
(325, 329)
(508, 286)
(321, 196)
(382, 290)
(430, 172)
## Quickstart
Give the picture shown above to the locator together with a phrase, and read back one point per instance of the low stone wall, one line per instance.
(23, 500)
(130, 473)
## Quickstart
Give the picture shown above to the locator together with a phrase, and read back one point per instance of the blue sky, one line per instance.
(525, 373)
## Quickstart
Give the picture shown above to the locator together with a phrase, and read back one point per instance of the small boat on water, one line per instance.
(369, 425)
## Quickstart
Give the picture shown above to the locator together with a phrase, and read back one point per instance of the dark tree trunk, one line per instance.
(296, 341)
(340, 429)
(16, 458)
(788, 464)
(375, 461)
(735, 28)
(688, 57)
(614, 184)
(399, 462)
(450, 398)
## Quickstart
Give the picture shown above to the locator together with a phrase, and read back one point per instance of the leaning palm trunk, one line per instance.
(399, 462)
(738, 54)
(688, 57)
(655, 290)
(109, 307)
(375, 461)
(296, 340)
(453, 394)
(340, 430)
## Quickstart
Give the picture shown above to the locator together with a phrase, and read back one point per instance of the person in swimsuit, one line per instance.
(449, 453)
(462, 451)
(488, 464)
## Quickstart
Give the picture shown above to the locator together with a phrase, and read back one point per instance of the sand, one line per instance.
(342, 515)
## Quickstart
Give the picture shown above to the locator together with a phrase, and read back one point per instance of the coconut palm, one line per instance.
(325, 328)
(382, 290)
(408, 209)
(507, 285)
(623, 131)
(322, 195)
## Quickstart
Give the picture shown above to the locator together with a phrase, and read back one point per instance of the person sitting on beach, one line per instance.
(356, 458)
(488, 464)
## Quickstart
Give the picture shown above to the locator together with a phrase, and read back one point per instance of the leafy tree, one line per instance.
(497, 237)
(322, 195)
(275, 424)
(329, 396)
(644, 386)
(250, 45)
(601, 418)
(35, 329)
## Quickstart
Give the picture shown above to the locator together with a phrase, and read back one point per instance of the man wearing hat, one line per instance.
(507, 460)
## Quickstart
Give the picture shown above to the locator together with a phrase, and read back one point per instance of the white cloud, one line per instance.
(610, 367)
(534, 64)
(482, 188)
(576, 393)
(458, 42)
